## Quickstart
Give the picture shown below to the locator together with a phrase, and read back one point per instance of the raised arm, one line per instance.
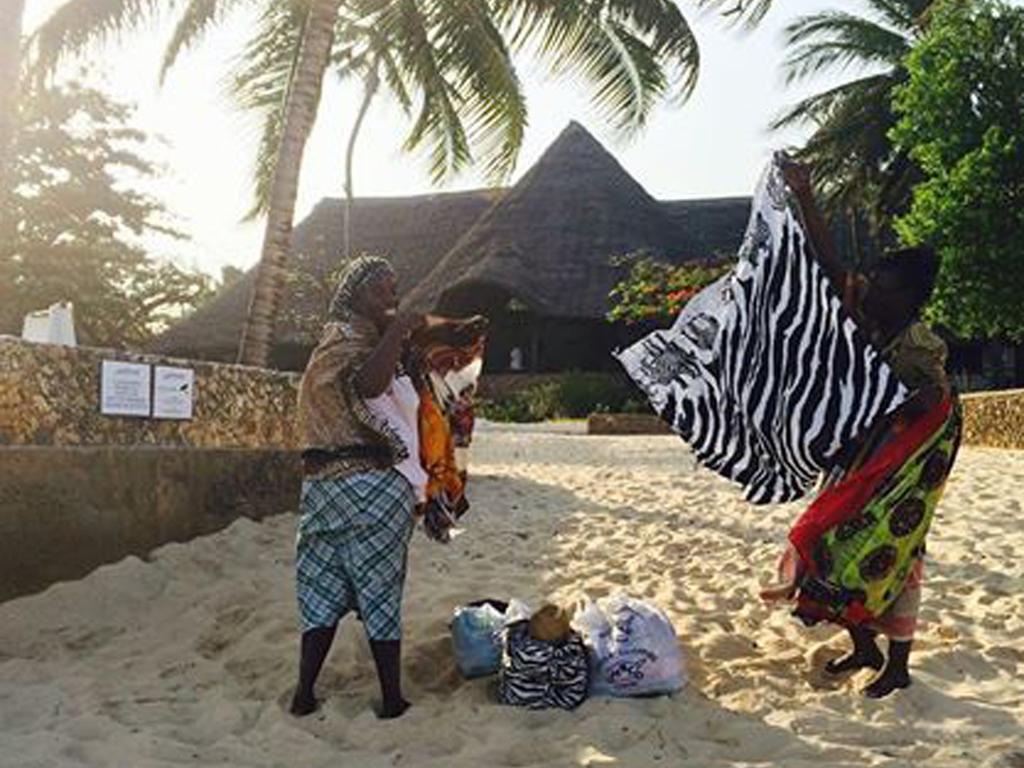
(798, 178)
(376, 373)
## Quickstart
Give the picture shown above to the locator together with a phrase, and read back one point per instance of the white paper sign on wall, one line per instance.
(124, 389)
(173, 392)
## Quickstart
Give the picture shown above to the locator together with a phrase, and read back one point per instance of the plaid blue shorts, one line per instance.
(351, 548)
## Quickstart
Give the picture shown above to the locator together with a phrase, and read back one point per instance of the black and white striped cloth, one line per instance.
(763, 373)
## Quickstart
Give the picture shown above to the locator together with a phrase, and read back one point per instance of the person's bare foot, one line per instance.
(303, 705)
(856, 660)
(393, 710)
(773, 594)
(886, 683)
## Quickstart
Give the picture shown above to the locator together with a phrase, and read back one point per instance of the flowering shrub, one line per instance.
(655, 290)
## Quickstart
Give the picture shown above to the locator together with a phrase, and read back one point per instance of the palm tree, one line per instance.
(449, 65)
(371, 84)
(860, 174)
(11, 12)
(449, 62)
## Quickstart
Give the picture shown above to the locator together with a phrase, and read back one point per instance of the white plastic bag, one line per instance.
(517, 611)
(633, 648)
(55, 325)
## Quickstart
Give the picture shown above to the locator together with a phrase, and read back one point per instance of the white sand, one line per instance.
(189, 659)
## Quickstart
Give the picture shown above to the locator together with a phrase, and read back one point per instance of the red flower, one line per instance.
(684, 294)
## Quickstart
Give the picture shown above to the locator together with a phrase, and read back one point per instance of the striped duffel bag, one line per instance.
(538, 674)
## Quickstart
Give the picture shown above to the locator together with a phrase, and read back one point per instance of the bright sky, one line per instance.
(714, 145)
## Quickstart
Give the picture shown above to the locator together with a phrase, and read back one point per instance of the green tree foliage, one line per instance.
(71, 223)
(961, 119)
(656, 291)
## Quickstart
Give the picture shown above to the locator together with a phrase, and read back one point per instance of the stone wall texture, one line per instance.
(79, 489)
(49, 395)
(995, 419)
(626, 424)
(991, 420)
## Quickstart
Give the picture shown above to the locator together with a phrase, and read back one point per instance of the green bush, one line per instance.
(571, 396)
(580, 394)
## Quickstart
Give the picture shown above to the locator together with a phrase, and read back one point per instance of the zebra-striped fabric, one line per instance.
(537, 674)
(763, 373)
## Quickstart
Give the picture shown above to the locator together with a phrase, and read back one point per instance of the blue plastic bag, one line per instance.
(476, 638)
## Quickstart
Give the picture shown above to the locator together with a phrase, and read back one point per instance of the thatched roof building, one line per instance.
(535, 257)
(549, 242)
(415, 233)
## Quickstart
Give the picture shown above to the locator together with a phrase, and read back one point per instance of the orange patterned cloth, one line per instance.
(437, 450)
(448, 377)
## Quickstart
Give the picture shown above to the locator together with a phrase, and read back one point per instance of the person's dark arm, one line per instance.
(923, 400)
(375, 374)
(798, 178)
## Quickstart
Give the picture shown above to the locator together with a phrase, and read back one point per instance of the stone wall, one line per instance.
(49, 395)
(626, 424)
(991, 419)
(995, 419)
(79, 489)
(67, 510)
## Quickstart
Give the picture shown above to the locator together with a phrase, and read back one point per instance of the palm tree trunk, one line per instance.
(11, 12)
(372, 83)
(855, 254)
(299, 115)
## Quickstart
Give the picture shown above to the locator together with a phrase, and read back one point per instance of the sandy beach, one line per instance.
(188, 658)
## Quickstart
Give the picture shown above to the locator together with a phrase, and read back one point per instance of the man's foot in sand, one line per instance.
(886, 683)
(393, 710)
(303, 705)
(861, 659)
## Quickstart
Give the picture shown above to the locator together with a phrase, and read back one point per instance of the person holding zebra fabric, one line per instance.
(787, 369)
(889, 481)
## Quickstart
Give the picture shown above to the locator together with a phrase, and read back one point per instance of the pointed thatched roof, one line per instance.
(550, 241)
(546, 242)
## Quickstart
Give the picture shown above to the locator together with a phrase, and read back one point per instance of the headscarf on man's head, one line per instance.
(358, 274)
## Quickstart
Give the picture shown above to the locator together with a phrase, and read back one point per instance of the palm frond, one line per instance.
(904, 15)
(361, 48)
(195, 21)
(852, 155)
(836, 40)
(624, 83)
(661, 23)
(77, 24)
(815, 108)
(859, 169)
(262, 76)
(630, 53)
(395, 80)
(476, 61)
(437, 121)
(748, 12)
